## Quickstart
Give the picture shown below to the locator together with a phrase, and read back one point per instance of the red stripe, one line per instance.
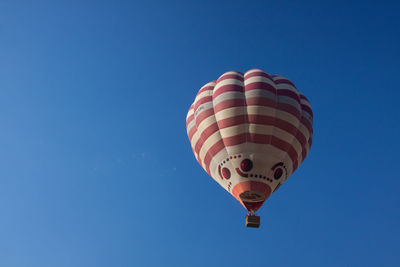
(261, 119)
(261, 101)
(232, 121)
(283, 81)
(304, 97)
(289, 109)
(189, 120)
(207, 132)
(304, 152)
(260, 85)
(266, 102)
(258, 73)
(280, 124)
(198, 160)
(303, 144)
(231, 76)
(307, 108)
(293, 156)
(192, 132)
(204, 114)
(228, 88)
(212, 152)
(198, 146)
(288, 127)
(288, 93)
(235, 140)
(308, 125)
(210, 130)
(235, 102)
(207, 88)
(202, 101)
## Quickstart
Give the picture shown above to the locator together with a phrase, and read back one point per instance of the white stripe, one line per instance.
(230, 112)
(289, 100)
(285, 86)
(190, 112)
(228, 96)
(260, 93)
(259, 79)
(228, 82)
(190, 125)
(202, 108)
(202, 95)
(253, 70)
(231, 72)
(207, 84)
(214, 138)
(305, 102)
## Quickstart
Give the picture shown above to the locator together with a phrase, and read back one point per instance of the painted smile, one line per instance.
(245, 175)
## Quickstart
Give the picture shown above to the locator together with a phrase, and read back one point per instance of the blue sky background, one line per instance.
(95, 165)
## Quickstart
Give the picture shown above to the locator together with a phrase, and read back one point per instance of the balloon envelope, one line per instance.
(250, 133)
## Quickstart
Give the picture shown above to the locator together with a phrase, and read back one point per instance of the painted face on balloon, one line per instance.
(246, 168)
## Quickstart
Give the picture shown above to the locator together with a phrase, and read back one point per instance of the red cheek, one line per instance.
(278, 173)
(226, 173)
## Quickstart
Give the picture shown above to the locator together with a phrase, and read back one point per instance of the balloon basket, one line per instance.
(253, 221)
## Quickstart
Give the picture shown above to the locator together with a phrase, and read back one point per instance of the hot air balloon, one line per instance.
(250, 133)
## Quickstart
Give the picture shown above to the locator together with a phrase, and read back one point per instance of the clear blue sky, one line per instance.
(95, 165)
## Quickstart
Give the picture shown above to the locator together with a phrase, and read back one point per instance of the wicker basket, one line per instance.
(253, 221)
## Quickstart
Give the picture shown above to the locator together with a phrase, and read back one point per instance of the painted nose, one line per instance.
(251, 194)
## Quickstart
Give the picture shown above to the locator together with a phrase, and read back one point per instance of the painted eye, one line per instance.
(226, 173)
(246, 165)
(278, 173)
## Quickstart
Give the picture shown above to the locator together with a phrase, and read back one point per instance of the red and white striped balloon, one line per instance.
(250, 133)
